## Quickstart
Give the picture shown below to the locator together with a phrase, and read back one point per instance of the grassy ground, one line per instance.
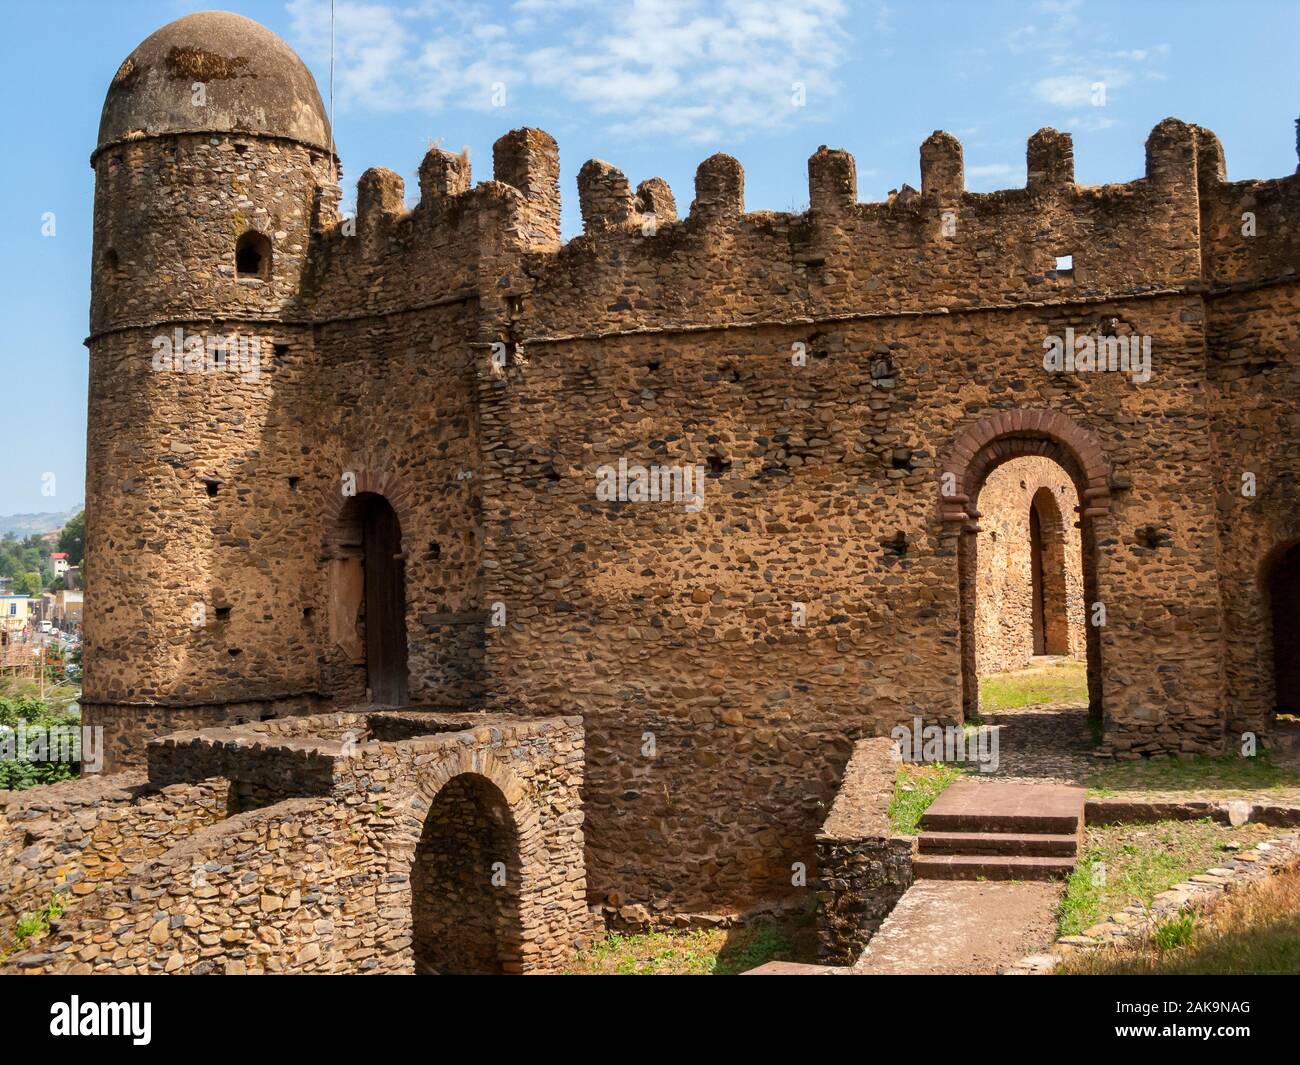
(702, 951)
(1063, 681)
(915, 788)
(1251, 931)
(1217, 778)
(57, 695)
(1123, 864)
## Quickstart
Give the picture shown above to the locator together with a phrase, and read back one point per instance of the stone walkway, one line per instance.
(962, 927)
(1053, 744)
(1042, 745)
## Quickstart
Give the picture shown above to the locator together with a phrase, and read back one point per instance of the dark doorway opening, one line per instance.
(1284, 606)
(372, 539)
(465, 883)
(1051, 633)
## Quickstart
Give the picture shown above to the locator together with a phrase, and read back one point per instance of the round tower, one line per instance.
(214, 157)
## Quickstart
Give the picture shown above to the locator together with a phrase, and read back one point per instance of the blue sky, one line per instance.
(653, 87)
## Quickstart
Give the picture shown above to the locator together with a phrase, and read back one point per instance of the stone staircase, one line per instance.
(996, 831)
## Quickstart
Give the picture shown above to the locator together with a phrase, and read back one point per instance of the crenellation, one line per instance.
(443, 174)
(832, 181)
(719, 190)
(1050, 162)
(605, 197)
(654, 197)
(380, 202)
(942, 167)
(1171, 153)
(529, 160)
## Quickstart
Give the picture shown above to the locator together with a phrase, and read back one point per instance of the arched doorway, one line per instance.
(465, 882)
(1050, 624)
(368, 594)
(978, 453)
(1282, 591)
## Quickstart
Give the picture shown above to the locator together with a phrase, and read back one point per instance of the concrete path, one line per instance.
(962, 927)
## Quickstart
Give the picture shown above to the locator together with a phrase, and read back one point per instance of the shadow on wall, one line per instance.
(465, 882)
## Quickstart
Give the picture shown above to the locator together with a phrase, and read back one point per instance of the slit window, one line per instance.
(1065, 264)
(253, 255)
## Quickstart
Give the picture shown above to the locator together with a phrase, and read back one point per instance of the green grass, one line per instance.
(33, 926)
(1204, 774)
(702, 951)
(1063, 681)
(915, 788)
(1256, 930)
(1139, 862)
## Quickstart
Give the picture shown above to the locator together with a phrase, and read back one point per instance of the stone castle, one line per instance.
(340, 465)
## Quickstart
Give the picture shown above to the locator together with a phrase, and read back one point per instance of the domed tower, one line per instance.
(214, 157)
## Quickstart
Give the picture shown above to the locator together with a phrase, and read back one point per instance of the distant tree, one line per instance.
(28, 584)
(73, 538)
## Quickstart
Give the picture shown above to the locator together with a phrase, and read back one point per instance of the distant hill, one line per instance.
(24, 525)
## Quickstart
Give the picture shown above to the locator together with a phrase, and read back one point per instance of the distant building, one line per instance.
(67, 610)
(59, 563)
(16, 611)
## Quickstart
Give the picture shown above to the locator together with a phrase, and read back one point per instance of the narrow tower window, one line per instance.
(253, 255)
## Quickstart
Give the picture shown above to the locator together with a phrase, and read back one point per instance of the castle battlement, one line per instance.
(915, 252)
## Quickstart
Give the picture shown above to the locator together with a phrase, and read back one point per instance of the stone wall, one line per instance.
(1005, 615)
(323, 882)
(66, 840)
(863, 867)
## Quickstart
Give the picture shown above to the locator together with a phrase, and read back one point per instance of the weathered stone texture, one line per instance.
(864, 868)
(1005, 623)
(319, 879)
(466, 366)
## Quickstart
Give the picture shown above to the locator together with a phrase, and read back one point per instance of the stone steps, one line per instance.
(990, 867)
(1024, 844)
(996, 831)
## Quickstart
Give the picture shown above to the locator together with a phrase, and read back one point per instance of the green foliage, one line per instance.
(33, 716)
(18, 557)
(1202, 774)
(73, 538)
(1064, 682)
(915, 788)
(1124, 864)
(1175, 932)
(28, 584)
(703, 952)
(31, 925)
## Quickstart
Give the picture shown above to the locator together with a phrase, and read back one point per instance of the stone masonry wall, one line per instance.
(323, 883)
(69, 839)
(863, 868)
(823, 370)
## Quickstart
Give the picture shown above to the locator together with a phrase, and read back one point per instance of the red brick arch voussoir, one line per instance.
(992, 441)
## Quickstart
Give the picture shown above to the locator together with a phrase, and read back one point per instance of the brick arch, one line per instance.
(371, 476)
(477, 776)
(988, 443)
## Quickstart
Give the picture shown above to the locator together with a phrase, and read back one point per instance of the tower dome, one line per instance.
(252, 82)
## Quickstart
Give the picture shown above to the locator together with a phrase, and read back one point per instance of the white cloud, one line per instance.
(689, 68)
(1080, 90)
